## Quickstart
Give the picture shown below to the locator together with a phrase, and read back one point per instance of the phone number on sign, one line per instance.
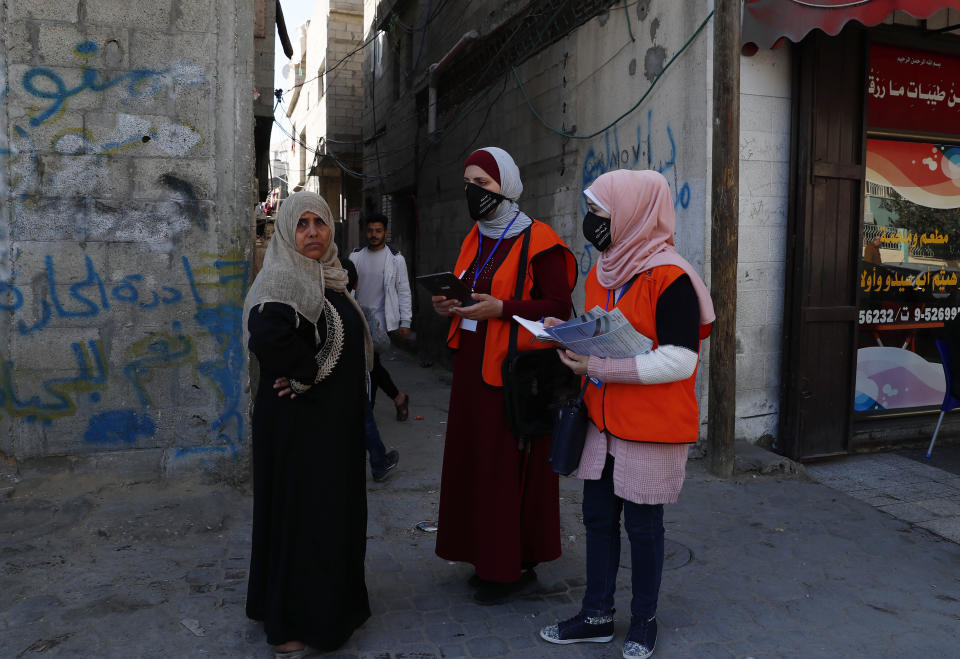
(905, 315)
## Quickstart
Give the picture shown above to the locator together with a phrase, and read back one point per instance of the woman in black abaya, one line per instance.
(309, 510)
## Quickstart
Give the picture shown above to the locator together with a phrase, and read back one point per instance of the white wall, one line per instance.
(764, 187)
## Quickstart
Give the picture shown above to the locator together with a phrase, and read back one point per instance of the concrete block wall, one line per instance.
(764, 189)
(126, 164)
(345, 85)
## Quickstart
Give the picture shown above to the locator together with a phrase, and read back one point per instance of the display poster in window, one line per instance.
(909, 277)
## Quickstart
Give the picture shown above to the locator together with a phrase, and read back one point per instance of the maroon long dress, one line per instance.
(484, 517)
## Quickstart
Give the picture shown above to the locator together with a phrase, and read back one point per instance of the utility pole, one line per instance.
(725, 198)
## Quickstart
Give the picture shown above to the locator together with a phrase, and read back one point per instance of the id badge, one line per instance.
(468, 324)
(596, 383)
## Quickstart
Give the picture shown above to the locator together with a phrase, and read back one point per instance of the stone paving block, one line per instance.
(710, 651)
(943, 507)
(927, 490)
(443, 631)
(403, 620)
(522, 642)
(487, 646)
(948, 528)
(952, 481)
(875, 497)
(910, 512)
(406, 636)
(469, 613)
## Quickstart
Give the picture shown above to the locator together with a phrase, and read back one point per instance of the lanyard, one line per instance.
(476, 273)
(622, 291)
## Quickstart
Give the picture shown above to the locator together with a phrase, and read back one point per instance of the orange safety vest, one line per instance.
(664, 413)
(504, 287)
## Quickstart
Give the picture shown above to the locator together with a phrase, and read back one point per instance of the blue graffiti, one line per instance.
(57, 92)
(13, 303)
(586, 259)
(614, 157)
(162, 352)
(224, 323)
(119, 427)
(91, 373)
(93, 278)
(87, 297)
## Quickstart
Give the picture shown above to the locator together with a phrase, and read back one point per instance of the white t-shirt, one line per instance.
(370, 293)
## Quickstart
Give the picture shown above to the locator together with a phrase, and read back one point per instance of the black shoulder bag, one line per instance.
(535, 382)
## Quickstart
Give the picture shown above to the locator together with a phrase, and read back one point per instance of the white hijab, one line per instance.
(511, 187)
(290, 278)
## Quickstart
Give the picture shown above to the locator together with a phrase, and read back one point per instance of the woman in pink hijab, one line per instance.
(643, 409)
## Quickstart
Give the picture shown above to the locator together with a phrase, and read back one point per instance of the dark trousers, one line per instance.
(380, 378)
(644, 524)
(375, 447)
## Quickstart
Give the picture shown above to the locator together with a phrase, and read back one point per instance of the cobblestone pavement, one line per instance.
(757, 567)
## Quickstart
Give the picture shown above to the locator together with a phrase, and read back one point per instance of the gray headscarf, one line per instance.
(511, 187)
(290, 278)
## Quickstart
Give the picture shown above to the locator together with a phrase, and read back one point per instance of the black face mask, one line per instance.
(480, 201)
(596, 229)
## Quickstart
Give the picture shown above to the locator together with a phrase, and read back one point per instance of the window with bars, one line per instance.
(539, 25)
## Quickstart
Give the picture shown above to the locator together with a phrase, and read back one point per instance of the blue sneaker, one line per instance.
(393, 459)
(580, 629)
(641, 639)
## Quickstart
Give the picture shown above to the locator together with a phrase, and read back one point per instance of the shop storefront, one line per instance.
(873, 281)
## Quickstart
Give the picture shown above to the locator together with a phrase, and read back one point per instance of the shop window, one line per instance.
(908, 288)
(909, 274)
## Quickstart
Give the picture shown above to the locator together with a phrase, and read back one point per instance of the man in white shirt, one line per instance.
(384, 287)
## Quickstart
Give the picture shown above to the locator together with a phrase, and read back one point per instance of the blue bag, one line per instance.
(569, 435)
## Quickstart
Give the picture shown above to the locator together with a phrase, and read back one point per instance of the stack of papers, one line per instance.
(598, 333)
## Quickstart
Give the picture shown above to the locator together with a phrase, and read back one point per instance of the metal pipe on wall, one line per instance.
(434, 71)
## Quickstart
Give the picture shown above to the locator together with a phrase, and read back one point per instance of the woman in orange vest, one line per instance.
(499, 507)
(643, 409)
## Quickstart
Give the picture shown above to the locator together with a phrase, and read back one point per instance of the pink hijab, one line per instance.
(642, 223)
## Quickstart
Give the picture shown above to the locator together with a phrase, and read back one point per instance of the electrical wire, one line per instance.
(337, 64)
(464, 114)
(330, 154)
(423, 39)
(571, 134)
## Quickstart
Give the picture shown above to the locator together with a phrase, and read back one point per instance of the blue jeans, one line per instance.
(644, 524)
(378, 453)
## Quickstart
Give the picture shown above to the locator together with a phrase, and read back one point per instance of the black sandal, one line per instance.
(403, 409)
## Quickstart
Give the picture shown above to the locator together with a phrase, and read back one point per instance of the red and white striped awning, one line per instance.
(767, 22)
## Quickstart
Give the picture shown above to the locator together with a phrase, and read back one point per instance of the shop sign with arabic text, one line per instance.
(913, 90)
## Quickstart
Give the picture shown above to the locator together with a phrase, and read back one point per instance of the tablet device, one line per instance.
(448, 285)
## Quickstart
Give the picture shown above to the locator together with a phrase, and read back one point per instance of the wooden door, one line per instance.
(827, 188)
